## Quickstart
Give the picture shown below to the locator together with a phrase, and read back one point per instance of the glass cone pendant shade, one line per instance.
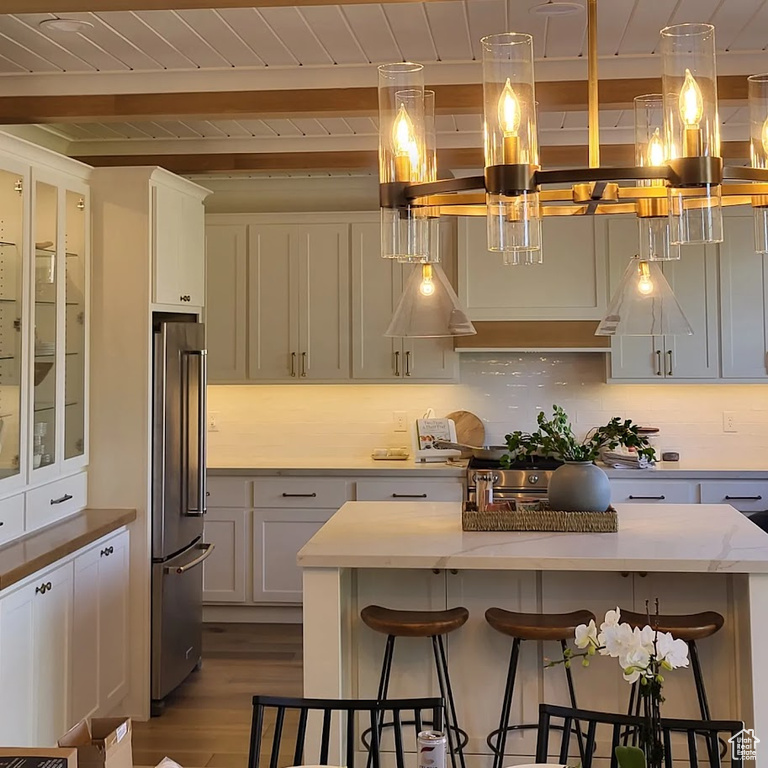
(429, 307)
(644, 305)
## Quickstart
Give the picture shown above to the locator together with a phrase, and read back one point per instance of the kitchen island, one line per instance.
(693, 557)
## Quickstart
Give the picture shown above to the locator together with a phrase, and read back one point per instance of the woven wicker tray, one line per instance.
(537, 517)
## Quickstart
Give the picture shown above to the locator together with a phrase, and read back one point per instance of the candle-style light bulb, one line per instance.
(690, 101)
(764, 136)
(644, 284)
(427, 287)
(656, 152)
(510, 115)
(404, 145)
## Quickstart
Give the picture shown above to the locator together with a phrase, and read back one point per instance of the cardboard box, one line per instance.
(37, 757)
(105, 744)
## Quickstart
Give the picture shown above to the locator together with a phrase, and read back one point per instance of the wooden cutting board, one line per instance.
(470, 430)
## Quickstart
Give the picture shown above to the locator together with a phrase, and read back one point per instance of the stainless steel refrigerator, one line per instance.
(178, 501)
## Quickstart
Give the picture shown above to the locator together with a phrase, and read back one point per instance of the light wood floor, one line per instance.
(207, 720)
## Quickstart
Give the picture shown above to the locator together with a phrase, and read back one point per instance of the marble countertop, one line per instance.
(39, 549)
(682, 538)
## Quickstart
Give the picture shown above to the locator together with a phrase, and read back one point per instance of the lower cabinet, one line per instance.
(225, 571)
(278, 535)
(64, 644)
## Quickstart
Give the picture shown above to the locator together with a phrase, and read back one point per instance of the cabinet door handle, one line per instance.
(43, 588)
(62, 499)
(299, 495)
(397, 363)
(408, 363)
(104, 553)
(409, 495)
(293, 364)
(744, 498)
(669, 361)
(648, 498)
(303, 365)
(658, 362)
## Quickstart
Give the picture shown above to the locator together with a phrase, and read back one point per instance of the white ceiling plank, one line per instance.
(334, 32)
(134, 28)
(78, 44)
(117, 44)
(288, 24)
(232, 128)
(731, 18)
(161, 130)
(308, 126)
(520, 19)
(72, 131)
(336, 126)
(566, 35)
(371, 27)
(257, 128)
(259, 36)
(612, 20)
(450, 30)
(550, 121)
(642, 32)
(283, 127)
(693, 11)
(754, 36)
(486, 17)
(445, 124)
(177, 33)
(6, 65)
(180, 129)
(411, 31)
(363, 126)
(468, 123)
(730, 115)
(205, 128)
(24, 56)
(227, 42)
(23, 30)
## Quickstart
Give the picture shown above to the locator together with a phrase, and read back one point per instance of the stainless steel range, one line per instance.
(524, 480)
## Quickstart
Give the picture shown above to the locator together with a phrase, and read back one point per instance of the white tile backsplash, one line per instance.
(506, 390)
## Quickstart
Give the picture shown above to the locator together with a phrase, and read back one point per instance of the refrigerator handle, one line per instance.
(200, 508)
(207, 551)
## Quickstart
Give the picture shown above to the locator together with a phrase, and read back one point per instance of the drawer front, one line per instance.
(650, 491)
(301, 492)
(53, 501)
(229, 492)
(409, 490)
(11, 518)
(746, 495)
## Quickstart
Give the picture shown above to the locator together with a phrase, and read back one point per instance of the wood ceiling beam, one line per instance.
(471, 157)
(60, 7)
(450, 100)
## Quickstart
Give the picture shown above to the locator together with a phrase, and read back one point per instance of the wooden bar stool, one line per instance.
(688, 627)
(530, 626)
(432, 624)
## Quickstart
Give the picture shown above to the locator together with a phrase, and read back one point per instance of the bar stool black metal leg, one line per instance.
(461, 737)
(698, 678)
(506, 705)
(572, 697)
(452, 730)
(386, 670)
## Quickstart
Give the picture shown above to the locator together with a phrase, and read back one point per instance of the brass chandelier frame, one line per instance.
(594, 190)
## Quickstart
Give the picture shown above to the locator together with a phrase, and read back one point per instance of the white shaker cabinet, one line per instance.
(35, 648)
(694, 280)
(178, 240)
(570, 283)
(225, 571)
(377, 285)
(84, 699)
(743, 301)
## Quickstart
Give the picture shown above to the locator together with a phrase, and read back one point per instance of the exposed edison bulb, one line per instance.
(644, 284)
(690, 102)
(509, 110)
(656, 153)
(403, 134)
(427, 287)
(764, 136)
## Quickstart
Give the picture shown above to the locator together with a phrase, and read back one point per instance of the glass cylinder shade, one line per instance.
(510, 137)
(654, 239)
(429, 173)
(758, 144)
(692, 127)
(402, 157)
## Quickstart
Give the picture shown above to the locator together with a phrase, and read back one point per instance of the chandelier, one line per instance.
(676, 189)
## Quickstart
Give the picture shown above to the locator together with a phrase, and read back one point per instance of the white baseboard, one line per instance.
(252, 614)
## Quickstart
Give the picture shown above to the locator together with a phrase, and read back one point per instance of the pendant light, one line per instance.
(429, 307)
(758, 149)
(644, 305)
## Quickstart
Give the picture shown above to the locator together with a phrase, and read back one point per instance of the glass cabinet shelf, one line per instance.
(39, 407)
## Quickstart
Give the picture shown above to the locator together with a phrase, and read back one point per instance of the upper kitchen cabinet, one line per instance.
(743, 301)
(178, 240)
(377, 285)
(570, 284)
(694, 281)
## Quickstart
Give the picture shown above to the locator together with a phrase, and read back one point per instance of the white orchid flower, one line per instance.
(673, 652)
(616, 640)
(586, 635)
(646, 637)
(636, 656)
(611, 619)
(631, 675)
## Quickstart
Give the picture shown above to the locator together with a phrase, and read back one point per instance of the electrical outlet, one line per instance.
(401, 421)
(213, 421)
(729, 421)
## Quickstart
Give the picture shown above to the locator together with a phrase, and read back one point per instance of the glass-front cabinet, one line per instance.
(13, 223)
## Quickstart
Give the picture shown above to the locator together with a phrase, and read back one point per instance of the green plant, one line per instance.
(555, 439)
